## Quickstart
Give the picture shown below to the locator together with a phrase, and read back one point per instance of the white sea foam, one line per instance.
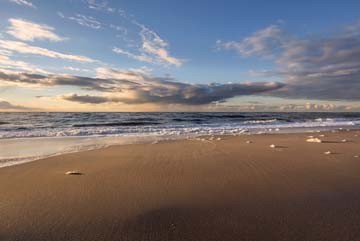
(168, 130)
(34, 141)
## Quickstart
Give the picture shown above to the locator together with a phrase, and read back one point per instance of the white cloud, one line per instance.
(100, 5)
(29, 31)
(23, 3)
(76, 69)
(131, 74)
(140, 57)
(152, 44)
(86, 21)
(25, 48)
(7, 63)
(153, 49)
(147, 47)
(261, 43)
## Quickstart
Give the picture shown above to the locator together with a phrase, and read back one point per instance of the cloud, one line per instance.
(76, 69)
(130, 74)
(323, 68)
(156, 46)
(140, 57)
(86, 21)
(7, 63)
(23, 3)
(147, 46)
(261, 43)
(25, 48)
(136, 87)
(153, 49)
(100, 5)
(5, 105)
(85, 99)
(29, 31)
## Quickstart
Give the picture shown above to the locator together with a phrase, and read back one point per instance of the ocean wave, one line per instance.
(260, 121)
(121, 129)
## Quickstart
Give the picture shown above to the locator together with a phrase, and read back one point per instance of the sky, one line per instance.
(160, 55)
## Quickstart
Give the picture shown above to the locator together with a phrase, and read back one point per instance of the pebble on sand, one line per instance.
(315, 140)
(73, 173)
(248, 142)
(273, 146)
(327, 152)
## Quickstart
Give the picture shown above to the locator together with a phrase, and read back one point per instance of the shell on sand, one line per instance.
(74, 172)
(315, 140)
(272, 146)
(327, 153)
(248, 142)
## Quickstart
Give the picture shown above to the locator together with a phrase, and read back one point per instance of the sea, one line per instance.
(30, 136)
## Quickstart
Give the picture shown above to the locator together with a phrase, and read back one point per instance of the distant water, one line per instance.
(28, 136)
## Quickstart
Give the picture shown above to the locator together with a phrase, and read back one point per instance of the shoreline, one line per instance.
(100, 142)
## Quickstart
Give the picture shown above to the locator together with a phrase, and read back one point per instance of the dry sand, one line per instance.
(223, 190)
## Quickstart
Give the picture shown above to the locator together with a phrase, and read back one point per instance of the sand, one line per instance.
(223, 190)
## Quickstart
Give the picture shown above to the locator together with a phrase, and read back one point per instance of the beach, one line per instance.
(225, 188)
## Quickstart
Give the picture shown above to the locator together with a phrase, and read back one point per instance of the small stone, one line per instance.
(73, 173)
(272, 146)
(327, 153)
(315, 140)
(248, 142)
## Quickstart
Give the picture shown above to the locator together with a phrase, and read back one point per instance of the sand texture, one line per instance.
(236, 188)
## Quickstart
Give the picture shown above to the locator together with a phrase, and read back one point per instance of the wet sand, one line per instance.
(224, 190)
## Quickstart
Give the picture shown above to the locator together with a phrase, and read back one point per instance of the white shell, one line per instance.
(74, 172)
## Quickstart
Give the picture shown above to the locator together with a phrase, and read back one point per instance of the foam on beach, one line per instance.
(46, 134)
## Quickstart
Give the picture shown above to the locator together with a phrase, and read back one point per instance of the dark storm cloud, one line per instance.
(138, 88)
(324, 68)
(4, 105)
(177, 93)
(70, 80)
(86, 99)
